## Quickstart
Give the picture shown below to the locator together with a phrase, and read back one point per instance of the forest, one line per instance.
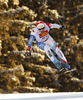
(37, 74)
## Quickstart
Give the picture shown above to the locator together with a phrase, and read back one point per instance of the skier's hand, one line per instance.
(63, 28)
(28, 53)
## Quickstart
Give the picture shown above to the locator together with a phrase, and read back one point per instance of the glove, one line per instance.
(28, 53)
(63, 28)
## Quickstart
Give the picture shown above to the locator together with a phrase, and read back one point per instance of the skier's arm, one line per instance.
(28, 52)
(31, 39)
(62, 27)
(55, 26)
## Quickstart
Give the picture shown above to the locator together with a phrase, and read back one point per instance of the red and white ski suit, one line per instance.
(46, 43)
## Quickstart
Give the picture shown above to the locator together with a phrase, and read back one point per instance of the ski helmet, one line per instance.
(40, 25)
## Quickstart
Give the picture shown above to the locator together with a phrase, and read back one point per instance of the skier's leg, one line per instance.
(61, 56)
(52, 57)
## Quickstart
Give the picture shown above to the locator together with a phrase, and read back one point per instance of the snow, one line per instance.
(43, 96)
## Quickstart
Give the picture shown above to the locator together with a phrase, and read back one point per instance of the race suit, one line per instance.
(46, 43)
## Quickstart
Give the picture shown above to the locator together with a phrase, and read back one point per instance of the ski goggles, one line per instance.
(41, 29)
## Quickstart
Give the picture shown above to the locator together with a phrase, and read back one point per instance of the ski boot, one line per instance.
(60, 68)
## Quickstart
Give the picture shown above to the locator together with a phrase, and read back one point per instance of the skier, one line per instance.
(46, 43)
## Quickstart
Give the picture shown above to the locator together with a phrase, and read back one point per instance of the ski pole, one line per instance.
(60, 22)
(18, 31)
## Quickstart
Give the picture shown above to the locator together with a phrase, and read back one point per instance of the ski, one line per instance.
(68, 71)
